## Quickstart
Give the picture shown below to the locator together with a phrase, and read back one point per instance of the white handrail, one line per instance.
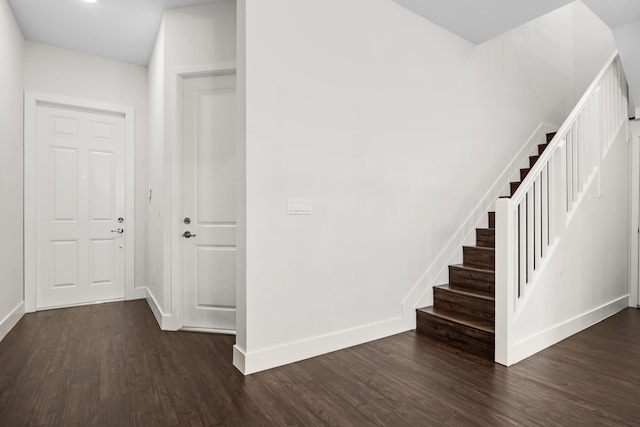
(530, 223)
(575, 113)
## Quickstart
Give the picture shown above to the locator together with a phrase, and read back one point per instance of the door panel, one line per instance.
(216, 269)
(64, 184)
(80, 192)
(215, 152)
(102, 264)
(64, 264)
(209, 167)
(102, 186)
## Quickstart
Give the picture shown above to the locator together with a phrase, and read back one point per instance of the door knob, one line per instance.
(118, 230)
(187, 234)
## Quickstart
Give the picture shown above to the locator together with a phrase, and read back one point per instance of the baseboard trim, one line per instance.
(155, 308)
(256, 361)
(239, 358)
(11, 320)
(165, 321)
(553, 335)
(208, 330)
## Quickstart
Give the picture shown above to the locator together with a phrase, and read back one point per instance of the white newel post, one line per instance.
(505, 281)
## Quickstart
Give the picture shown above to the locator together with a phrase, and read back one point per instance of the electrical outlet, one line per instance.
(298, 206)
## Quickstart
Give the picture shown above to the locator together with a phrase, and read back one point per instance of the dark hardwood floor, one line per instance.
(110, 365)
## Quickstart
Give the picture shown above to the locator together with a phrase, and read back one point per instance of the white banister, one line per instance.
(531, 222)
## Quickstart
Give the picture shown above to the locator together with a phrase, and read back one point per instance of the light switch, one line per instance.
(298, 206)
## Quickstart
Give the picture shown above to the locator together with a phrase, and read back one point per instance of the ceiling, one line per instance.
(482, 20)
(126, 29)
(615, 13)
(119, 29)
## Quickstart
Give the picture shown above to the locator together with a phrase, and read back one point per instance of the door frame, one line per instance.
(634, 241)
(179, 74)
(31, 102)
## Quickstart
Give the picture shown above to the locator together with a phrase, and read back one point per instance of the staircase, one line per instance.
(463, 311)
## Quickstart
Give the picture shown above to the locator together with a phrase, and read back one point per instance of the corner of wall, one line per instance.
(165, 321)
(139, 293)
(11, 169)
(11, 320)
(241, 199)
(239, 359)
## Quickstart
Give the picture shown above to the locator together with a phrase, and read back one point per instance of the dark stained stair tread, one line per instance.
(463, 314)
(541, 148)
(455, 332)
(480, 305)
(550, 136)
(514, 186)
(454, 317)
(523, 173)
(478, 256)
(472, 278)
(488, 296)
(486, 237)
(533, 160)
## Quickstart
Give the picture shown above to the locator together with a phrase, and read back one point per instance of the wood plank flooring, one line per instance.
(110, 365)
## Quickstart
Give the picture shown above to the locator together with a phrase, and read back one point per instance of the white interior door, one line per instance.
(209, 171)
(80, 197)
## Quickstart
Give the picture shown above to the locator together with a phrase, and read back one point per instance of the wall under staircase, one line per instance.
(562, 239)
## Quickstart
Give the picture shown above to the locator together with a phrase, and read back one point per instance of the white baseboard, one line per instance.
(165, 321)
(239, 358)
(11, 320)
(538, 342)
(155, 308)
(252, 362)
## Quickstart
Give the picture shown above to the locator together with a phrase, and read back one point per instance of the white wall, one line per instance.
(395, 129)
(593, 44)
(53, 70)
(156, 79)
(195, 36)
(241, 189)
(627, 37)
(11, 174)
(200, 35)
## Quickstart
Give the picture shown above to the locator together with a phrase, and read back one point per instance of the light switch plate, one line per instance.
(298, 206)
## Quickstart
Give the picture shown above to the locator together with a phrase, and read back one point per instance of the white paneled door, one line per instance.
(209, 217)
(80, 199)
